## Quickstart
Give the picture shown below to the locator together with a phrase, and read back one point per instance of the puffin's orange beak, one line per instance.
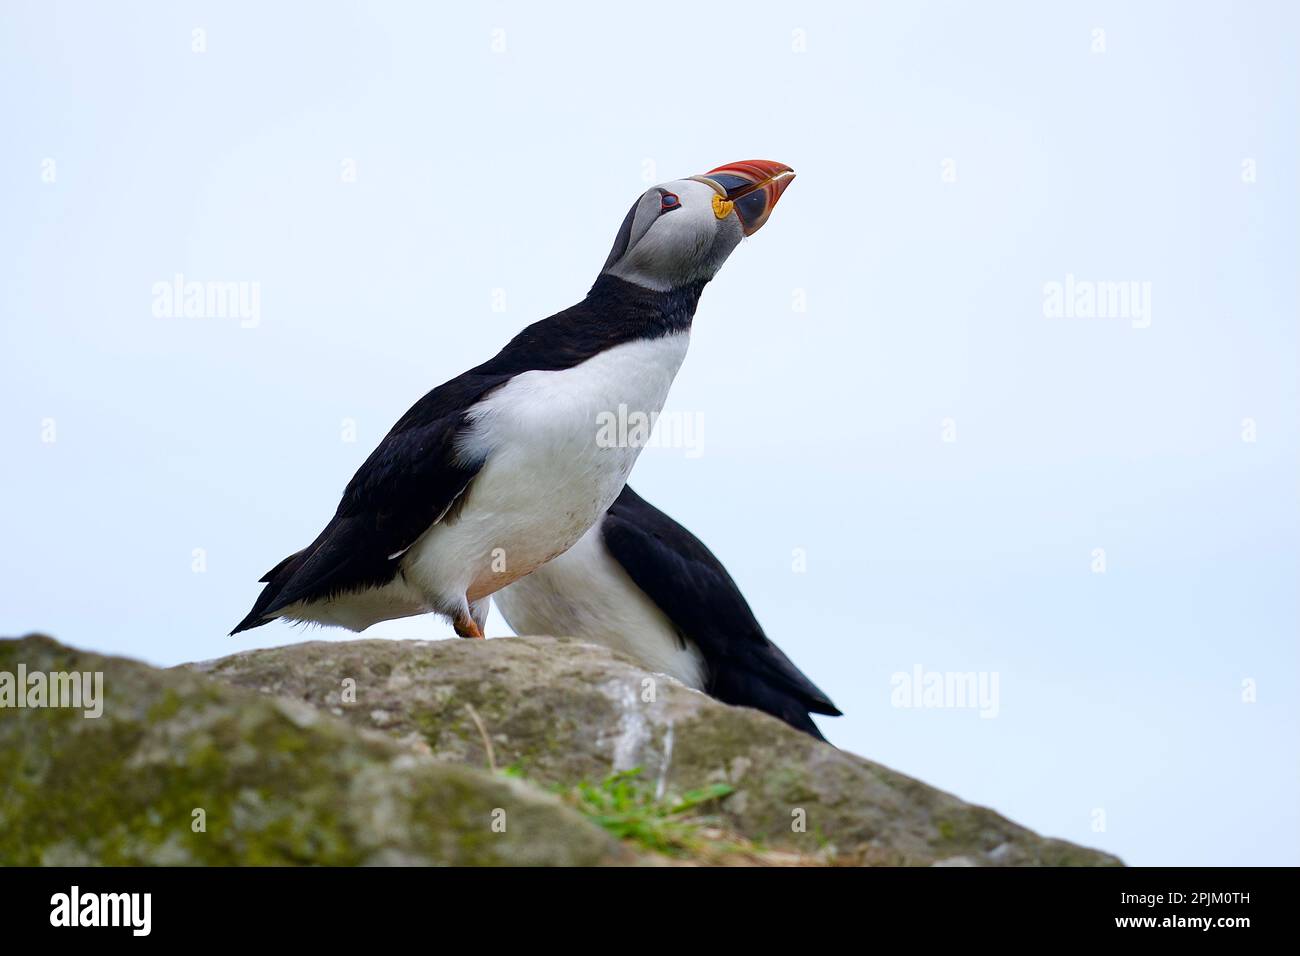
(751, 186)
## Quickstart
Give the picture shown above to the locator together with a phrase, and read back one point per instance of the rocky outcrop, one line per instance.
(451, 751)
(180, 769)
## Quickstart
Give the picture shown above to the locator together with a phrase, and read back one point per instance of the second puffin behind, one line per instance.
(640, 583)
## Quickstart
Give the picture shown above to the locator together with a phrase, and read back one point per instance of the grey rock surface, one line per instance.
(376, 751)
(564, 711)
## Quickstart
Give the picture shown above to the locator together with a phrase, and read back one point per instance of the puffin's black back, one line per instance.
(694, 590)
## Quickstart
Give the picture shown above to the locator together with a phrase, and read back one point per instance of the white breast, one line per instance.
(585, 593)
(547, 478)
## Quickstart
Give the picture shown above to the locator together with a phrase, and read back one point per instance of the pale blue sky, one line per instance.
(478, 170)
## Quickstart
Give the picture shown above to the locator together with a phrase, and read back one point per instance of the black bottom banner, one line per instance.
(1160, 906)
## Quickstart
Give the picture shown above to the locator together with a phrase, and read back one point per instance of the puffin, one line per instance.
(640, 583)
(499, 470)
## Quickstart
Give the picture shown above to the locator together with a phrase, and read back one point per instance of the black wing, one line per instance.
(694, 590)
(408, 483)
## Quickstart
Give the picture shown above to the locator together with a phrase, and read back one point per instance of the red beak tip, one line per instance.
(757, 169)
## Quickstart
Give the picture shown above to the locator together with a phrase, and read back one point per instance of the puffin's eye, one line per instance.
(669, 201)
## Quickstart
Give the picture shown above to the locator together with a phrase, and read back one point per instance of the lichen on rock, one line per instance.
(273, 780)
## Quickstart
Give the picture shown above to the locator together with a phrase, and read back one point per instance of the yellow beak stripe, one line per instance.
(722, 207)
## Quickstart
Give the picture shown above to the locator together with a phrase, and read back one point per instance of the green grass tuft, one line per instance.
(627, 807)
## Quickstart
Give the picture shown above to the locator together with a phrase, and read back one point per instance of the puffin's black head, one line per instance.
(680, 233)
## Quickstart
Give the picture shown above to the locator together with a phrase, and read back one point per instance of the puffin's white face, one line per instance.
(679, 233)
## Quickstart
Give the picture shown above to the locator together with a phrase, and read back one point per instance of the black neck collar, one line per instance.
(672, 311)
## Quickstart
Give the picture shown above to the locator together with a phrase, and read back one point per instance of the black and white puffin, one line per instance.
(497, 471)
(640, 583)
